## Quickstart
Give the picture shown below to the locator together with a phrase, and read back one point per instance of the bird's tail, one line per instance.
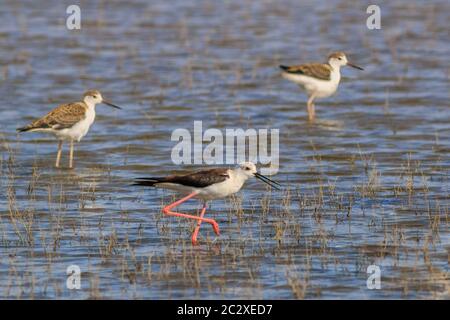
(284, 68)
(149, 182)
(24, 129)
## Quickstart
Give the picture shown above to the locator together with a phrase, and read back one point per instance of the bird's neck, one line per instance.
(334, 67)
(335, 72)
(90, 104)
(238, 177)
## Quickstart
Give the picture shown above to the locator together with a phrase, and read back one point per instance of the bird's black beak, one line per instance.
(264, 179)
(354, 66)
(110, 104)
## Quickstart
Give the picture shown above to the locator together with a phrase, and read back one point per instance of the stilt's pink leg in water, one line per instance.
(199, 223)
(167, 210)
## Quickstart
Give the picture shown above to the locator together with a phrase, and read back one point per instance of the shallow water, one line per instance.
(367, 183)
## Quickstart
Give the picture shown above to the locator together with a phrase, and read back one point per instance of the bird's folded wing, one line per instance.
(64, 116)
(200, 179)
(316, 70)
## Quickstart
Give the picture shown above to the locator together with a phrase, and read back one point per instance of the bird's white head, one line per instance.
(339, 59)
(93, 97)
(248, 169)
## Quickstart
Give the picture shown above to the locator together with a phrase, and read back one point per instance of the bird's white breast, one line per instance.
(222, 189)
(320, 88)
(81, 128)
(327, 88)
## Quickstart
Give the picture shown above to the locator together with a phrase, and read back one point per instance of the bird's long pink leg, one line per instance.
(168, 211)
(199, 223)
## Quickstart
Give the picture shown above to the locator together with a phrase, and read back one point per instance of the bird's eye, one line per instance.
(247, 168)
(95, 97)
(340, 58)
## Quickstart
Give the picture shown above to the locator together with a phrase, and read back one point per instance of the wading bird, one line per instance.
(320, 80)
(205, 185)
(69, 122)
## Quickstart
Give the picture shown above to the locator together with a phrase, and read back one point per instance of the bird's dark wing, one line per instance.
(199, 179)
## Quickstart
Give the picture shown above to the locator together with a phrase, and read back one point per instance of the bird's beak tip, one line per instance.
(268, 181)
(111, 105)
(354, 66)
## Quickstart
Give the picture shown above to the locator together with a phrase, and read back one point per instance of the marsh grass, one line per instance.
(290, 235)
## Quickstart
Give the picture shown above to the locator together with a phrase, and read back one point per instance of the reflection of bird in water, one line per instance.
(330, 125)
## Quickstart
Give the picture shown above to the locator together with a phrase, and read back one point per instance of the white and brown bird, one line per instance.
(69, 122)
(205, 185)
(320, 80)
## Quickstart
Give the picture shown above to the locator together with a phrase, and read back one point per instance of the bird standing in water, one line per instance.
(69, 122)
(320, 80)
